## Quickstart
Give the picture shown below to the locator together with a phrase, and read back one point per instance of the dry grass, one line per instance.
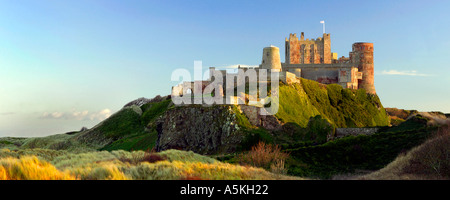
(30, 168)
(431, 160)
(123, 165)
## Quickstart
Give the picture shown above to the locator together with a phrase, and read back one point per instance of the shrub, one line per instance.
(253, 136)
(264, 155)
(152, 157)
(138, 157)
(319, 129)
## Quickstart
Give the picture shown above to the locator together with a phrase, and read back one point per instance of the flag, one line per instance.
(322, 22)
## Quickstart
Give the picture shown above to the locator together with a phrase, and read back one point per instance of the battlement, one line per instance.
(362, 46)
(305, 51)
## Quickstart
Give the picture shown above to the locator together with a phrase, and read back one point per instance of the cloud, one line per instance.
(403, 73)
(78, 115)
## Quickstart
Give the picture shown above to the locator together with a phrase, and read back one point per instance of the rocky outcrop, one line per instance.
(268, 122)
(141, 101)
(205, 130)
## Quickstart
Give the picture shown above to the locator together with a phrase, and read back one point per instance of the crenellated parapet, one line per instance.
(305, 51)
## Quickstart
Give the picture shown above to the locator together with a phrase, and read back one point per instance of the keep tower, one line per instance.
(362, 56)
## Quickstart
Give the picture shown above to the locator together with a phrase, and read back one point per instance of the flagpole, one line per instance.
(323, 27)
(323, 22)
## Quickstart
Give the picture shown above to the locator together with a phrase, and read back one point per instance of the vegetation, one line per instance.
(430, 160)
(355, 152)
(294, 105)
(139, 141)
(119, 147)
(30, 168)
(254, 136)
(241, 119)
(318, 130)
(265, 156)
(134, 131)
(341, 107)
(398, 116)
(153, 110)
(121, 124)
(120, 165)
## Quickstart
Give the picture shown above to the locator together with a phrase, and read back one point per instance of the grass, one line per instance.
(154, 109)
(139, 141)
(241, 119)
(354, 153)
(122, 123)
(294, 105)
(133, 131)
(344, 107)
(341, 107)
(430, 160)
(30, 168)
(120, 165)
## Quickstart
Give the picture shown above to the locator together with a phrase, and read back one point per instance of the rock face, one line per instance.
(205, 130)
(268, 122)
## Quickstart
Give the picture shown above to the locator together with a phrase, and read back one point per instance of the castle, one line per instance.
(306, 58)
(313, 59)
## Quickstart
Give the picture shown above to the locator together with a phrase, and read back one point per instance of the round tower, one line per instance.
(271, 59)
(362, 56)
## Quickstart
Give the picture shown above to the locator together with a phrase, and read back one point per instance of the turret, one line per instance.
(362, 57)
(326, 49)
(292, 51)
(271, 59)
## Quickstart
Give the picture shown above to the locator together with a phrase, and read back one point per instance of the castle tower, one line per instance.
(326, 48)
(271, 59)
(292, 52)
(315, 51)
(362, 56)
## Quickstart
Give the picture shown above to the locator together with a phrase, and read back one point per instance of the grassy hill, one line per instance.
(118, 147)
(341, 107)
(133, 127)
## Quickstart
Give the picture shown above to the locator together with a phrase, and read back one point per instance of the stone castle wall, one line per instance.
(308, 51)
(342, 132)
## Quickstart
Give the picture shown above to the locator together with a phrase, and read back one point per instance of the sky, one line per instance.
(70, 64)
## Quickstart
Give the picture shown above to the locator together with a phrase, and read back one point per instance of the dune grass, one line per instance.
(30, 168)
(39, 164)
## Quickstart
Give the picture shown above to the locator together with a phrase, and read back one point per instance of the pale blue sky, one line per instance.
(68, 64)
